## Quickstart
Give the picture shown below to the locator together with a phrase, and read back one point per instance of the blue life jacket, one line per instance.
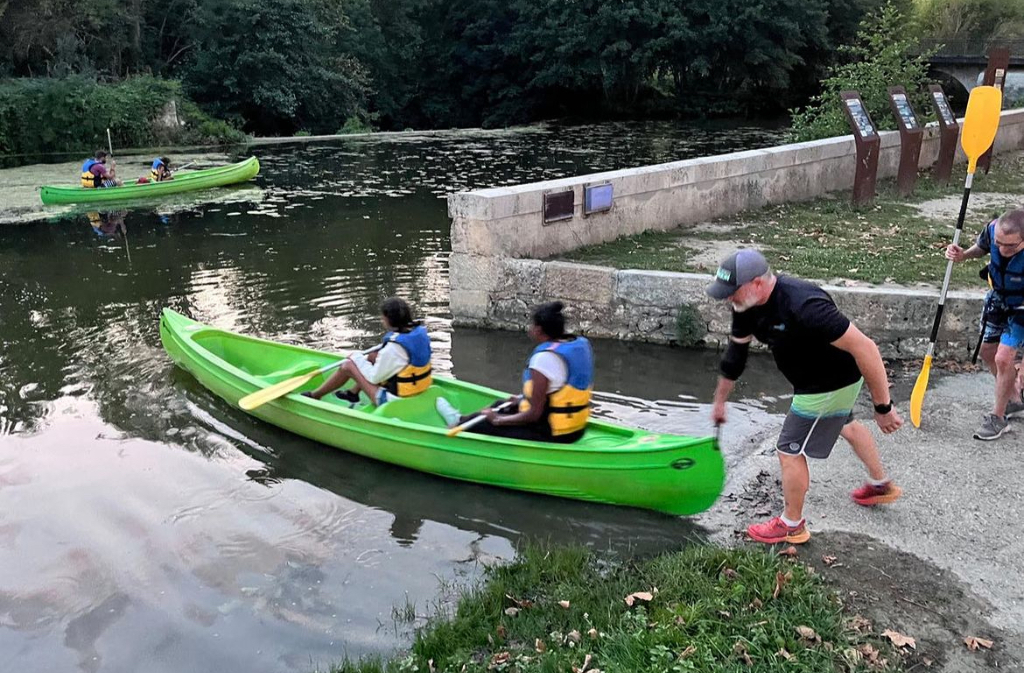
(418, 374)
(89, 179)
(1006, 273)
(568, 408)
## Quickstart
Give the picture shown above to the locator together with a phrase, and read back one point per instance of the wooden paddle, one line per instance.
(979, 131)
(261, 397)
(479, 419)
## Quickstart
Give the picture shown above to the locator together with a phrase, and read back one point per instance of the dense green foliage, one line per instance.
(281, 66)
(72, 114)
(320, 66)
(952, 20)
(703, 609)
(883, 56)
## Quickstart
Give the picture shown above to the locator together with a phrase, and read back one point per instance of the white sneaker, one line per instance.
(449, 413)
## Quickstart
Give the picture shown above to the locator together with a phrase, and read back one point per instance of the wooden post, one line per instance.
(995, 75)
(868, 143)
(910, 139)
(949, 132)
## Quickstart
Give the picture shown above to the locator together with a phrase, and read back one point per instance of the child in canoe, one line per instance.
(158, 172)
(557, 386)
(398, 367)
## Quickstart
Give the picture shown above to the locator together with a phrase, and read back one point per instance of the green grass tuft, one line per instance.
(712, 610)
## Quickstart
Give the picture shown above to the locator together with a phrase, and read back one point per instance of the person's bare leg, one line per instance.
(988, 356)
(863, 444)
(336, 380)
(1006, 376)
(371, 389)
(795, 482)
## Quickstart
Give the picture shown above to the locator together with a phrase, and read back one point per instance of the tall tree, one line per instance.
(272, 65)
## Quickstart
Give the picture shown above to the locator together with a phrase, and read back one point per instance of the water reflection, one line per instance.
(144, 521)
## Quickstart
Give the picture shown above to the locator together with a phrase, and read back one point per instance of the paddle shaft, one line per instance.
(480, 418)
(949, 265)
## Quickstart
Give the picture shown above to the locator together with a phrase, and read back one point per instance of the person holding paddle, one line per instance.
(826, 359)
(557, 386)
(398, 367)
(96, 174)
(1003, 318)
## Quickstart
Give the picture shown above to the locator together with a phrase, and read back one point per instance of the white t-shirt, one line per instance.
(390, 360)
(553, 367)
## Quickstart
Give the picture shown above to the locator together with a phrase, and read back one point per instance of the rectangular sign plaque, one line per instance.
(864, 127)
(597, 198)
(558, 206)
(907, 117)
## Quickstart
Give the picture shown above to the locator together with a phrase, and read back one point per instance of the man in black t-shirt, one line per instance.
(827, 359)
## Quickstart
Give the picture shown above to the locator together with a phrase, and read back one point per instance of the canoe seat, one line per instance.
(416, 409)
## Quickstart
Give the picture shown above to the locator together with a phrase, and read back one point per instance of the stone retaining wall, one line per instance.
(642, 305)
(496, 232)
(508, 221)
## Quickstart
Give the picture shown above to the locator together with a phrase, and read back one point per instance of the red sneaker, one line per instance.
(869, 494)
(775, 530)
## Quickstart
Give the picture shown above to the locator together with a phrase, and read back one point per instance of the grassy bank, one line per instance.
(897, 240)
(703, 609)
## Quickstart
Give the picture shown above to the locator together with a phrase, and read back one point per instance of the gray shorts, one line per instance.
(814, 422)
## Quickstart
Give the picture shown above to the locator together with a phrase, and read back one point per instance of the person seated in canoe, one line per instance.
(398, 367)
(160, 170)
(96, 173)
(557, 386)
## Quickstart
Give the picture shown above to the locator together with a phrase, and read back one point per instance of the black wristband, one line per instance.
(883, 409)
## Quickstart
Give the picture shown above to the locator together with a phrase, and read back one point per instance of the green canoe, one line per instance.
(185, 182)
(610, 464)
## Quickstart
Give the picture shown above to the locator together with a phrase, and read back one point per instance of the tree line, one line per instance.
(282, 66)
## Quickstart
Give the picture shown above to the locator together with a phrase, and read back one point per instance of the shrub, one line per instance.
(48, 115)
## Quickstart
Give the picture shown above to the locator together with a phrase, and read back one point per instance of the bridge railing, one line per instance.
(969, 48)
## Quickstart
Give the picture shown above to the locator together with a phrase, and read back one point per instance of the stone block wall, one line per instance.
(642, 305)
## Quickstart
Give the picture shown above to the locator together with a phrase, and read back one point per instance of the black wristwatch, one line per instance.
(883, 409)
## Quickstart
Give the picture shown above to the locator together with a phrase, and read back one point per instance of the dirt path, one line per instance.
(942, 563)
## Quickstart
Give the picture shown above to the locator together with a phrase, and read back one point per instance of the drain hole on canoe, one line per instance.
(683, 463)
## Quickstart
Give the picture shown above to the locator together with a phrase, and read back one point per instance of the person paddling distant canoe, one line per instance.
(160, 171)
(399, 367)
(557, 386)
(826, 359)
(96, 174)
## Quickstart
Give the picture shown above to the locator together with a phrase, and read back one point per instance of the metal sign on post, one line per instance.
(911, 135)
(865, 137)
(949, 131)
(995, 75)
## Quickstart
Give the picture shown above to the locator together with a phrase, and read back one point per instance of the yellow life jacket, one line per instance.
(568, 408)
(90, 179)
(418, 374)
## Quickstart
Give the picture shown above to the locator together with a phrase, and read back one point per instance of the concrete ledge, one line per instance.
(508, 221)
(642, 306)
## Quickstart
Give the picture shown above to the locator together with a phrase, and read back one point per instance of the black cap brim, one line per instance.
(720, 290)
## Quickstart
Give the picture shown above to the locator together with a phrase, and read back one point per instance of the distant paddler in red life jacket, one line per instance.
(158, 172)
(95, 172)
(557, 387)
(398, 367)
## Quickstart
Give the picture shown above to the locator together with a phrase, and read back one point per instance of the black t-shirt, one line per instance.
(798, 323)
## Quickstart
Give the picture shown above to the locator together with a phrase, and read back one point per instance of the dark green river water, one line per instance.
(145, 525)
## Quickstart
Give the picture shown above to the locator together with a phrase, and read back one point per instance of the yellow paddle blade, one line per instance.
(917, 397)
(260, 397)
(980, 123)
